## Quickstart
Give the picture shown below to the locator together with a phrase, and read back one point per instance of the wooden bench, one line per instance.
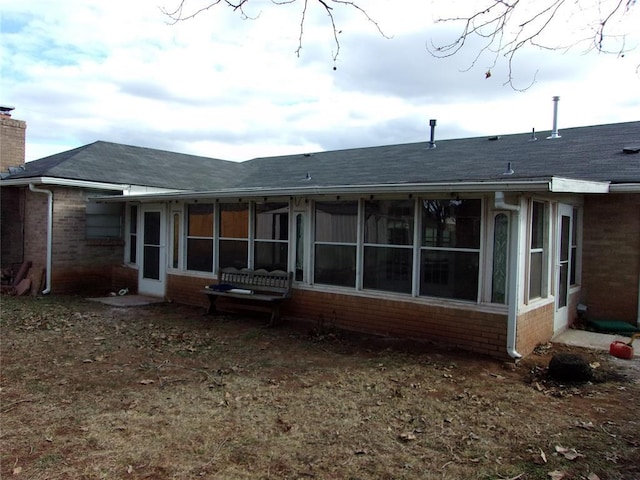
(251, 287)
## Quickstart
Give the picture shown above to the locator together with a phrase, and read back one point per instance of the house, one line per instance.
(488, 244)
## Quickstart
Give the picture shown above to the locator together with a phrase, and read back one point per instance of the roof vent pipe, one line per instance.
(432, 142)
(554, 132)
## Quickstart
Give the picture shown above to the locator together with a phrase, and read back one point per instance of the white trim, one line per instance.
(66, 182)
(566, 185)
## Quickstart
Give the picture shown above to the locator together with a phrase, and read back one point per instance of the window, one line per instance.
(234, 235)
(271, 236)
(104, 221)
(574, 249)
(388, 245)
(537, 250)
(450, 248)
(336, 235)
(200, 237)
(500, 250)
(133, 233)
(175, 247)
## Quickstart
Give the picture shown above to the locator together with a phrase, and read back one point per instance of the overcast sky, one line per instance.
(78, 71)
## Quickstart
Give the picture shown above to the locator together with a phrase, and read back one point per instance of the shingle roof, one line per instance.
(592, 153)
(124, 164)
(586, 153)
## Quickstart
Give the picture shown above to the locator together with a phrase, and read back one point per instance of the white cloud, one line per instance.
(85, 70)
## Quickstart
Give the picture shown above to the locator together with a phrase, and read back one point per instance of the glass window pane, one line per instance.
(233, 253)
(200, 254)
(389, 222)
(272, 221)
(336, 222)
(133, 248)
(500, 249)
(234, 220)
(388, 268)
(451, 223)
(133, 219)
(200, 220)
(270, 255)
(176, 240)
(151, 228)
(535, 275)
(151, 267)
(537, 225)
(335, 265)
(449, 274)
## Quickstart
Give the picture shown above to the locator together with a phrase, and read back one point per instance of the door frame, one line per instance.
(563, 261)
(151, 286)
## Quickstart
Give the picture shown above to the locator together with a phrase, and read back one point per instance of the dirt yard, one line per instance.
(90, 391)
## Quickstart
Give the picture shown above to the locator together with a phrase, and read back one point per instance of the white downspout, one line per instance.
(514, 273)
(49, 194)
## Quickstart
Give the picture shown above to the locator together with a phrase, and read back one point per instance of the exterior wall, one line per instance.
(471, 330)
(12, 142)
(534, 327)
(123, 276)
(611, 256)
(11, 227)
(78, 265)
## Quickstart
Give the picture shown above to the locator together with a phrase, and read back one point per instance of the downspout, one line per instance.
(49, 194)
(514, 273)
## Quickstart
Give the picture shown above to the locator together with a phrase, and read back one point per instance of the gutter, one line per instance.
(514, 273)
(49, 194)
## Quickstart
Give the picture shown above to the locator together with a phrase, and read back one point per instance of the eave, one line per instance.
(549, 185)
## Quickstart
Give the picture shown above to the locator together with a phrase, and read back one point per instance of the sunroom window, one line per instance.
(537, 250)
(200, 237)
(388, 245)
(271, 236)
(335, 247)
(450, 248)
(234, 235)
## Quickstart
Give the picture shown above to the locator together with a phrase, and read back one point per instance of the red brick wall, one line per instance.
(78, 265)
(534, 327)
(12, 229)
(123, 276)
(12, 142)
(611, 256)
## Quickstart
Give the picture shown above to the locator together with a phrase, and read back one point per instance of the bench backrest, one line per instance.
(277, 281)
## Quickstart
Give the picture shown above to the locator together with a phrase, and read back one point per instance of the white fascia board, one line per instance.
(624, 188)
(403, 188)
(66, 182)
(568, 185)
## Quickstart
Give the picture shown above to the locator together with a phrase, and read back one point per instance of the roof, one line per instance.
(593, 154)
(124, 164)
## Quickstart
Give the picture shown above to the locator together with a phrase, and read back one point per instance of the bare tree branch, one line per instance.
(500, 35)
(180, 14)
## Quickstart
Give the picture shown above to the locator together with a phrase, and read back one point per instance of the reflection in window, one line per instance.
(200, 237)
(335, 233)
(450, 252)
(536, 251)
(234, 235)
(133, 233)
(271, 236)
(388, 250)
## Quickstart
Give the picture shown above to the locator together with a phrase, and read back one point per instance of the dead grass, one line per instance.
(161, 392)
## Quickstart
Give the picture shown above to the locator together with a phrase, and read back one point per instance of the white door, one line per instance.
(563, 267)
(153, 254)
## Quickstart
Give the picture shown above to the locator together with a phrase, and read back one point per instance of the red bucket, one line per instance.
(621, 350)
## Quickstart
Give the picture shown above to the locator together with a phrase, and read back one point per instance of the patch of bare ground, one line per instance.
(159, 392)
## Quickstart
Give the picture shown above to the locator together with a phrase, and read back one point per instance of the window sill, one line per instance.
(104, 242)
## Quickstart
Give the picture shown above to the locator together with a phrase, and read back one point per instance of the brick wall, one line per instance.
(611, 256)
(481, 332)
(12, 142)
(534, 326)
(11, 234)
(78, 265)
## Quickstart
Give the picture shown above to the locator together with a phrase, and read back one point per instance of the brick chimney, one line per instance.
(12, 139)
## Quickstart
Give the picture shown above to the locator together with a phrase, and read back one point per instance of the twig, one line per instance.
(11, 406)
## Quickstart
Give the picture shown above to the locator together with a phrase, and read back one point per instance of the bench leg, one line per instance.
(212, 310)
(275, 314)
